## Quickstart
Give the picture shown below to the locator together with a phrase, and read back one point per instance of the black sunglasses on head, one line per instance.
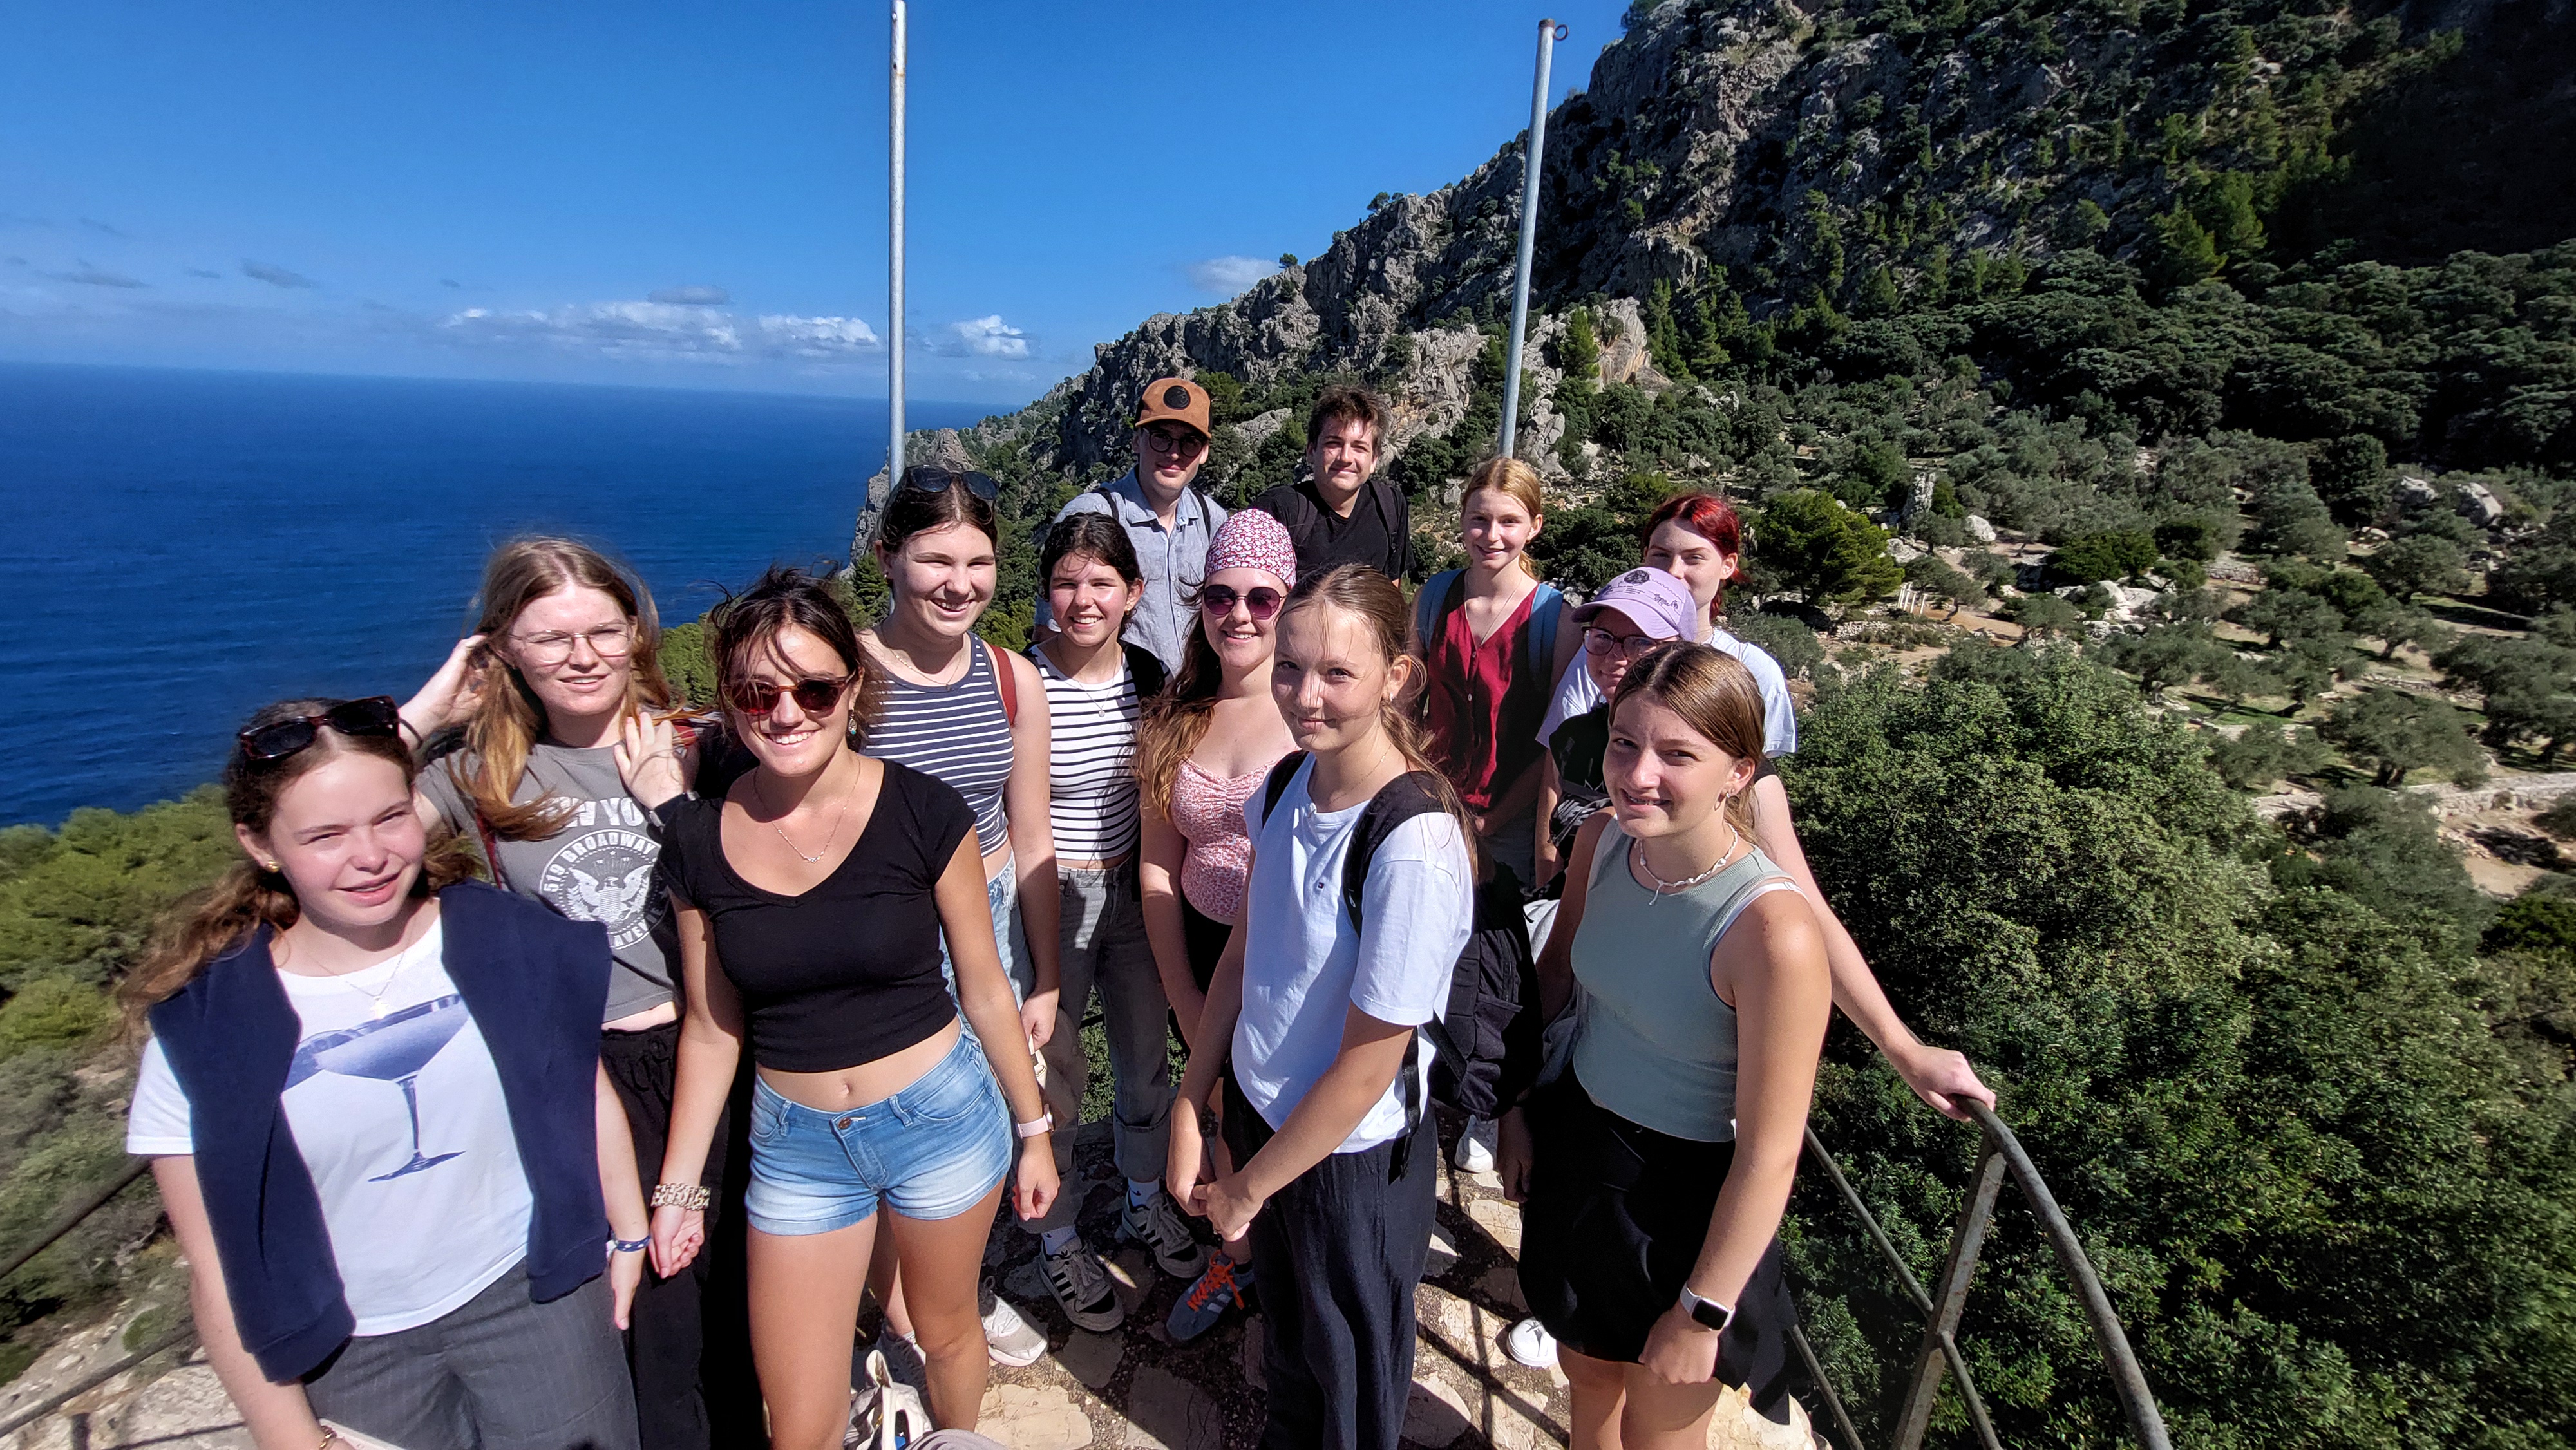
(375, 715)
(926, 478)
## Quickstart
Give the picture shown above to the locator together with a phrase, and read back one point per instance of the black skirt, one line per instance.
(1616, 1217)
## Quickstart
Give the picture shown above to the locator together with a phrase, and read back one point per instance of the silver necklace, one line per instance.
(1637, 853)
(376, 998)
(781, 829)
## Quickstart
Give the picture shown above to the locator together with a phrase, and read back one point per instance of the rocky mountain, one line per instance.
(1740, 178)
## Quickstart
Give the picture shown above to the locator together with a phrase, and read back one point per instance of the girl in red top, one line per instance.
(1495, 640)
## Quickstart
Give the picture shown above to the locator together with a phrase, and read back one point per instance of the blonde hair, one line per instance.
(509, 719)
(1372, 598)
(1716, 696)
(1514, 480)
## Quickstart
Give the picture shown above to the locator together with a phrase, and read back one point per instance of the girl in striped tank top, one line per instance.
(1095, 686)
(950, 705)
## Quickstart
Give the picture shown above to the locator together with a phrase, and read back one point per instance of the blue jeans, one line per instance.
(929, 1152)
(1002, 894)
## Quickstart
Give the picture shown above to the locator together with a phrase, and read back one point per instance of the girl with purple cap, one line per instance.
(1202, 749)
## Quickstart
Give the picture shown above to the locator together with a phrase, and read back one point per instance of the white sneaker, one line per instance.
(1475, 1153)
(1529, 1343)
(1008, 1336)
(1158, 1226)
(891, 1416)
(1082, 1288)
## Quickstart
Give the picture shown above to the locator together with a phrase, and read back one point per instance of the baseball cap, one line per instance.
(1175, 400)
(1659, 604)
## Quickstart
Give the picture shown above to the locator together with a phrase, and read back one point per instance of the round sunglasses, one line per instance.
(1261, 601)
(758, 699)
(374, 715)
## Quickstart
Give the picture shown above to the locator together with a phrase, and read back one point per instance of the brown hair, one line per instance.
(1514, 480)
(1176, 719)
(1715, 695)
(1372, 598)
(744, 625)
(508, 719)
(911, 510)
(212, 922)
(1347, 405)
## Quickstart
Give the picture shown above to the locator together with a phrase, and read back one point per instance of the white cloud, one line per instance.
(663, 331)
(981, 337)
(1226, 276)
(693, 296)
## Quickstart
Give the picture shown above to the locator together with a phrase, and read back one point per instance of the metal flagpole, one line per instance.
(894, 270)
(1549, 33)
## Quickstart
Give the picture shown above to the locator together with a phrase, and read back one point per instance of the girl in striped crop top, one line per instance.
(959, 710)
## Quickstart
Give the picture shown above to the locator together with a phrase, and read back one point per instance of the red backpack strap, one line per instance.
(1004, 684)
(491, 850)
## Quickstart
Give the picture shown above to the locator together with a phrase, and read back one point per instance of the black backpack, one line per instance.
(1478, 1056)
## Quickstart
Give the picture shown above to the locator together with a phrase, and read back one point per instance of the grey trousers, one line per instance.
(1102, 944)
(498, 1372)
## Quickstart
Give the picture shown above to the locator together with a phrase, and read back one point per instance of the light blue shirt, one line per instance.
(1173, 561)
(1306, 967)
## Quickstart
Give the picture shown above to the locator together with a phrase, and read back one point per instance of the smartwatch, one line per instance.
(1708, 1313)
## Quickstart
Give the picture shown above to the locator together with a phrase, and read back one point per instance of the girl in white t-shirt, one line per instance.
(1311, 1020)
(372, 1100)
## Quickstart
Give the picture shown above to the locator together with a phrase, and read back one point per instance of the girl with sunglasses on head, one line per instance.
(1311, 1022)
(373, 1101)
(1095, 689)
(813, 902)
(1655, 1169)
(1203, 747)
(962, 711)
(559, 693)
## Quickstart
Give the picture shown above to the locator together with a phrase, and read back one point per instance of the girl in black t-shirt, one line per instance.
(812, 902)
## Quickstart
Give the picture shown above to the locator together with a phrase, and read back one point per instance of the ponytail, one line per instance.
(1373, 599)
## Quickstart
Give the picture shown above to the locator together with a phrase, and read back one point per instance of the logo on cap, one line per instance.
(1637, 576)
(1176, 396)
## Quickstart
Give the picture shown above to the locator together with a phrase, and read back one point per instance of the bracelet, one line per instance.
(681, 1195)
(617, 1245)
(330, 1437)
(1042, 1123)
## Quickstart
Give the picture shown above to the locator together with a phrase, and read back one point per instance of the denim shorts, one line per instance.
(931, 1151)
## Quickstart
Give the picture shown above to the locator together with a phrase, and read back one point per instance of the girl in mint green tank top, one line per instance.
(1656, 1169)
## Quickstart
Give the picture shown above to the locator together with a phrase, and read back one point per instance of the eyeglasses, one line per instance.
(1602, 642)
(757, 698)
(927, 479)
(1175, 443)
(608, 641)
(375, 715)
(1260, 602)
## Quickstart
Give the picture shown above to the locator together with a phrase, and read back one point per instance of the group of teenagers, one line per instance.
(468, 1155)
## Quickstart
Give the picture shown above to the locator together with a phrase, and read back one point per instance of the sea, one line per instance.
(184, 546)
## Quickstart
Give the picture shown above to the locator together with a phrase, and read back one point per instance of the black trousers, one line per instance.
(1337, 1253)
(688, 1340)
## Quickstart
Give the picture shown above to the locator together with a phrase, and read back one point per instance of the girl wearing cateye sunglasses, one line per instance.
(558, 692)
(371, 1099)
(817, 897)
(1201, 749)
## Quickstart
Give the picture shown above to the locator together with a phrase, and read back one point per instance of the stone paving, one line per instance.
(1129, 1389)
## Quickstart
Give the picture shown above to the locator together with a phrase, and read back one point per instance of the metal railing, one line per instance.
(175, 1337)
(1939, 1351)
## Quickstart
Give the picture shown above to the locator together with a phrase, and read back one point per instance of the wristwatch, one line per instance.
(1708, 1313)
(1042, 1123)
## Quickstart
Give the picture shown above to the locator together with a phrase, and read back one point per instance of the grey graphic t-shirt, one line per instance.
(600, 867)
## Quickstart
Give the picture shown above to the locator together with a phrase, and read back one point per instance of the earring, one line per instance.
(268, 866)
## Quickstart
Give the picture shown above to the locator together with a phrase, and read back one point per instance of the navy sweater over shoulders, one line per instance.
(535, 982)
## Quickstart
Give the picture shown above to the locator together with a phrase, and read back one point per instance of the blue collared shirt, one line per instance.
(1173, 561)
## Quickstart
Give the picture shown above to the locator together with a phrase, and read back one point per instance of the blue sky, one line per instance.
(694, 196)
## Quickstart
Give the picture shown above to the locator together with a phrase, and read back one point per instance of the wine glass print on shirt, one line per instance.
(393, 1048)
